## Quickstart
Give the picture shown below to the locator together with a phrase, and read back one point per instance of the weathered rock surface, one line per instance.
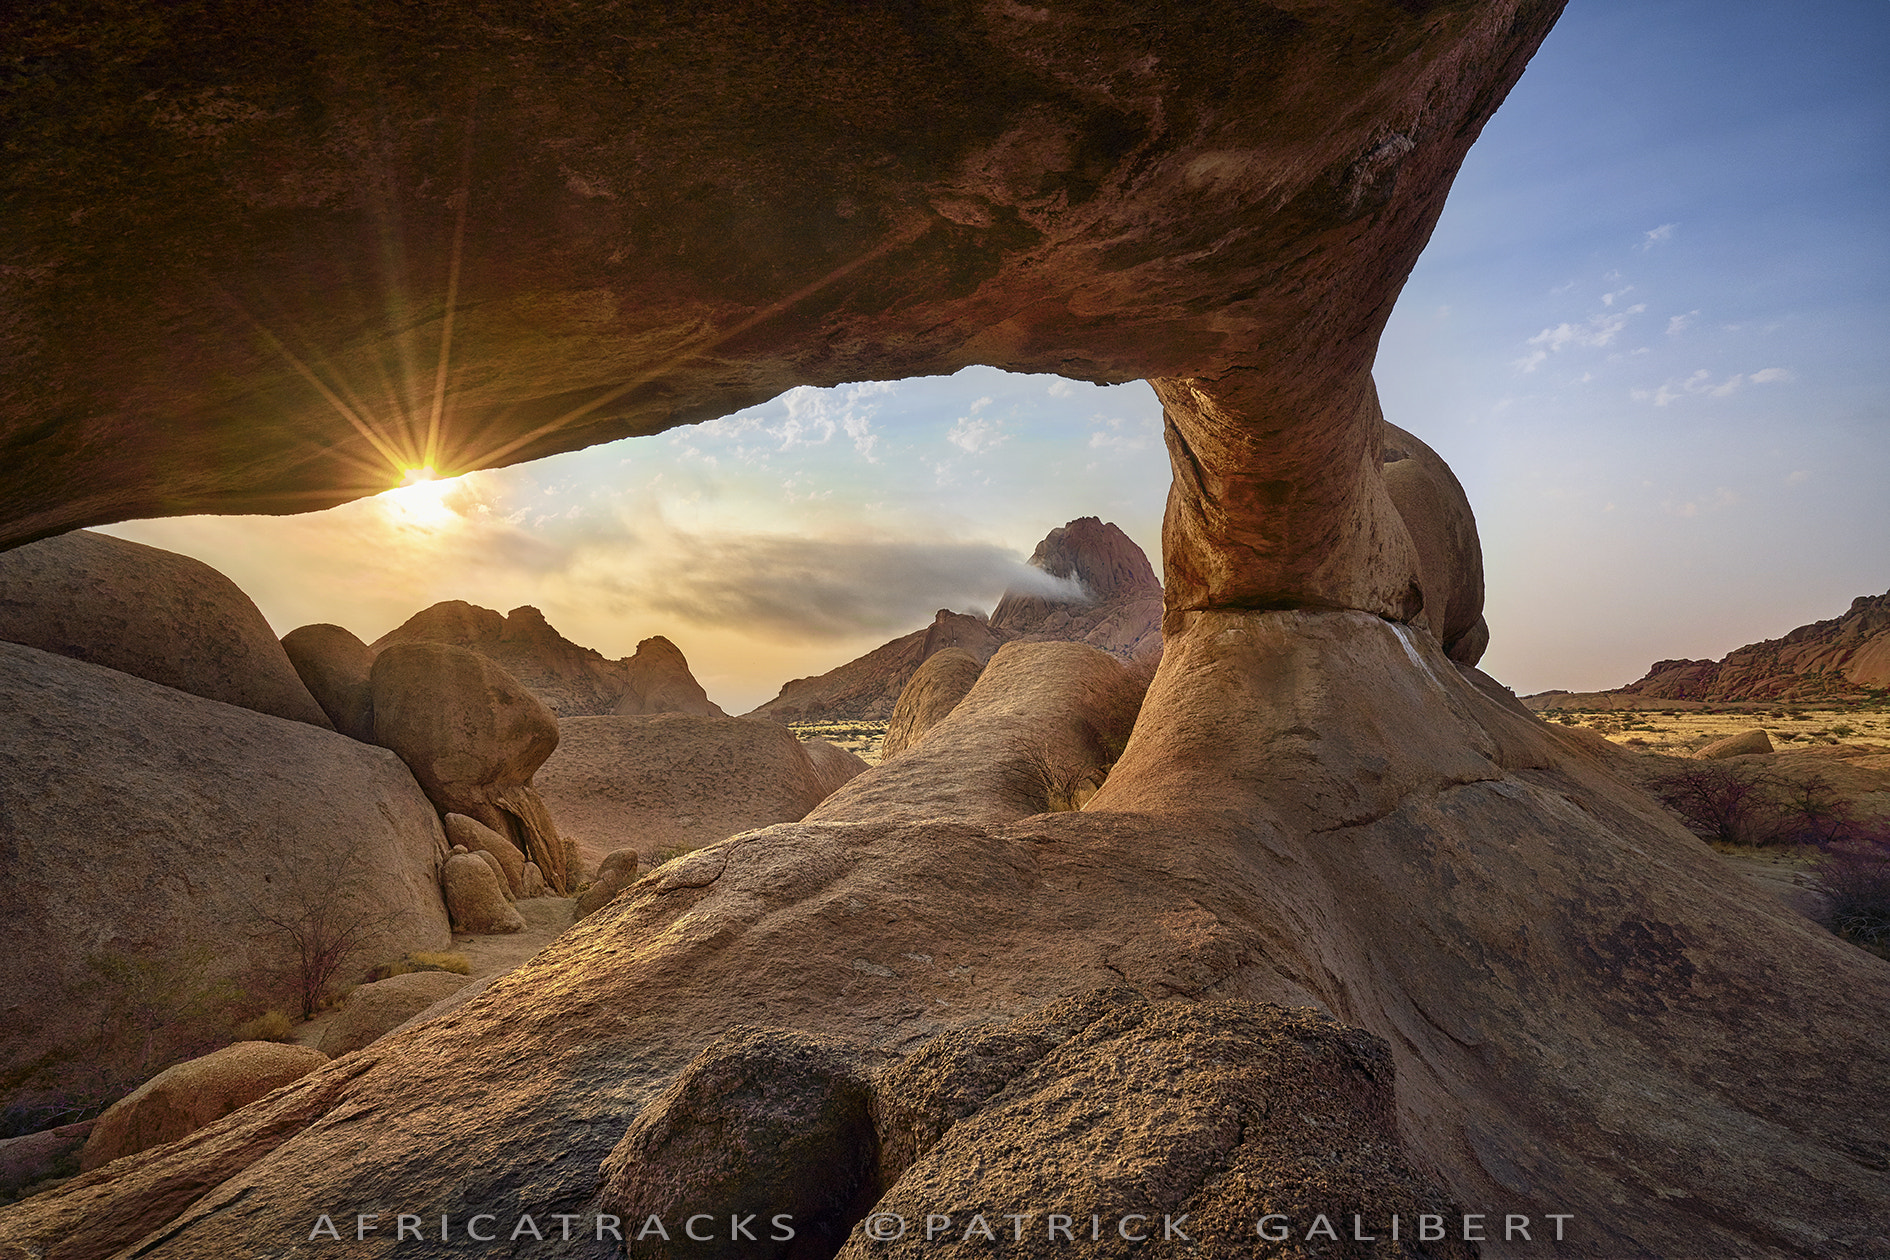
(674, 780)
(475, 896)
(184, 1098)
(1200, 1119)
(334, 665)
(832, 194)
(659, 681)
(1436, 512)
(932, 692)
(763, 1122)
(614, 874)
(473, 736)
(834, 766)
(152, 613)
(373, 1010)
(1041, 722)
(477, 836)
(1740, 745)
(146, 837)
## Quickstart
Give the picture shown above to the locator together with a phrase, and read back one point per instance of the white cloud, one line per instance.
(1701, 384)
(1062, 388)
(1677, 324)
(976, 436)
(1607, 299)
(1598, 330)
(1657, 235)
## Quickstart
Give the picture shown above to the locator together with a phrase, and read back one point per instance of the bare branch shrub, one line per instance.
(1734, 804)
(1726, 804)
(1854, 876)
(1044, 780)
(320, 925)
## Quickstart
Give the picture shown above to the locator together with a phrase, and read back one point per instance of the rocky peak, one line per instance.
(449, 621)
(526, 624)
(1111, 569)
(1840, 658)
(960, 630)
(1100, 556)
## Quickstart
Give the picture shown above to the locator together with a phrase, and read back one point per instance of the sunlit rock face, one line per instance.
(291, 258)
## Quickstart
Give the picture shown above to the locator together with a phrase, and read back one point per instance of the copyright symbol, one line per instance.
(885, 1226)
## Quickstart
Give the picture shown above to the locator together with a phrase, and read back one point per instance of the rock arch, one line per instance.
(233, 269)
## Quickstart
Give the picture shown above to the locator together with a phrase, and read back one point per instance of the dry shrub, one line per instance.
(1735, 804)
(1854, 876)
(1042, 779)
(458, 964)
(669, 854)
(319, 927)
(268, 1026)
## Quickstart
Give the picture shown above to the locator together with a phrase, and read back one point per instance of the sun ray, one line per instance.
(689, 350)
(361, 426)
(430, 451)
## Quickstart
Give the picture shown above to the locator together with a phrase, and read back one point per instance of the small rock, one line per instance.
(373, 1010)
(534, 882)
(763, 1121)
(1743, 744)
(475, 836)
(616, 873)
(38, 1156)
(475, 898)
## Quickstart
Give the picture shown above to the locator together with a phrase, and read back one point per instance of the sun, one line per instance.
(420, 499)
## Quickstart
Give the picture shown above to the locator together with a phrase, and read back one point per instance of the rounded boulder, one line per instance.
(185, 1098)
(374, 1010)
(614, 874)
(475, 900)
(477, 837)
(462, 723)
(334, 665)
(153, 614)
(932, 692)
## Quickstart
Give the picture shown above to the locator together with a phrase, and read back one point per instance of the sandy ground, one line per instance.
(546, 918)
(1680, 733)
(860, 738)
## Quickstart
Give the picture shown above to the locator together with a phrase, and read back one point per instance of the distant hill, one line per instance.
(1845, 658)
(573, 681)
(1120, 611)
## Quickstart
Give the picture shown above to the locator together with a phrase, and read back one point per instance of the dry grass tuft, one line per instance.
(268, 1026)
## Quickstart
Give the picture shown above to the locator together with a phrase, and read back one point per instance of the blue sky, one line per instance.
(1649, 334)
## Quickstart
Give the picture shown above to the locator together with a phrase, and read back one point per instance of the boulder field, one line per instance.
(1317, 809)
